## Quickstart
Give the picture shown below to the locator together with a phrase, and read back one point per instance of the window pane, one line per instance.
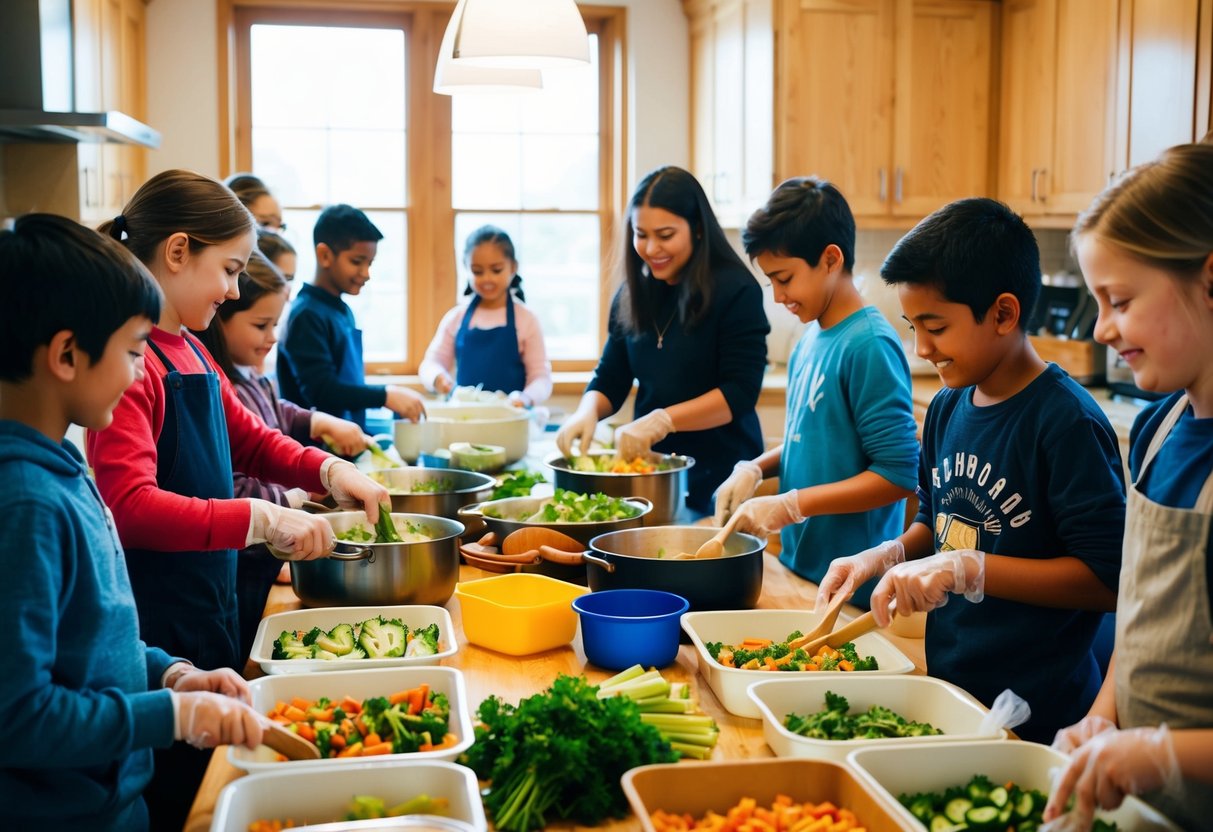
(558, 258)
(486, 170)
(560, 172)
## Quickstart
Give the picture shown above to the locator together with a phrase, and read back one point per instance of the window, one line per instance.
(429, 169)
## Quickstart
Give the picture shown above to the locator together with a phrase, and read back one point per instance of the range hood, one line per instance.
(37, 93)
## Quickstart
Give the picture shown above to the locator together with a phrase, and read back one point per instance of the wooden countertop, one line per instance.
(487, 672)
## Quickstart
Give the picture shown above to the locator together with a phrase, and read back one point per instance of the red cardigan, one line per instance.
(123, 457)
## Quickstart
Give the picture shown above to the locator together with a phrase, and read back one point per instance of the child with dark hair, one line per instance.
(278, 250)
(76, 318)
(848, 392)
(320, 357)
(255, 195)
(1020, 485)
(494, 342)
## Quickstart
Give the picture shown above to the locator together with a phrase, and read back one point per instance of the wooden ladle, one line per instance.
(847, 632)
(288, 743)
(826, 624)
(530, 538)
(713, 547)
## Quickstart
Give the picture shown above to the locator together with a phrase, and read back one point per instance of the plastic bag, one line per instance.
(1008, 711)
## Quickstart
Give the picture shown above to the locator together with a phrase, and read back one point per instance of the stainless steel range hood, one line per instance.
(37, 90)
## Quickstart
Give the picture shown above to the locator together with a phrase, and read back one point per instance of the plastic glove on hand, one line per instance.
(739, 487)
(923, 585)
(845, 575)
(405, 403)
(224, 681)
(291, 534)
(638, 437)
(579, 428)
(1113, 764)
(353, 489)
(205, 719)
(341, 435)
(1068, 739)
(765, 515)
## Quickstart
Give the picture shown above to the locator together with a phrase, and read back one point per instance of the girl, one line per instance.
(493, 341)
(278, 251)
(164, 466)
(238, 338)
(1146, 251)
(255, 195)
(688, 324)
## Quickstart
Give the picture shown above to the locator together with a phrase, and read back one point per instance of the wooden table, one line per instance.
(487, 672)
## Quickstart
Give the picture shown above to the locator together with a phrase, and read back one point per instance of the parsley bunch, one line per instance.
(561, 751)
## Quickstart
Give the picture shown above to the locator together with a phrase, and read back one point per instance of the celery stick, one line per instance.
(678, 722)
(706, 739)
(664, 705)
(619, 678)
(643, 687)
(698, 752)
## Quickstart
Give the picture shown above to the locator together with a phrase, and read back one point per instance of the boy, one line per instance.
(1021, 489)
(849, 452)
(320, 357)
(77, 313)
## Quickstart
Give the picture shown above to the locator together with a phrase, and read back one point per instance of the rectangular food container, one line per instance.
(914, 698)
(733, 626)
(326, 618)
(918, 767)
(519, 613)
(360, 684)
(321, 795)
(697, 788)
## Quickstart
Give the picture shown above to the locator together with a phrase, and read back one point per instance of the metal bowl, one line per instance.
(458, 488)
(666, 490)
(515, 506)
(369, 574)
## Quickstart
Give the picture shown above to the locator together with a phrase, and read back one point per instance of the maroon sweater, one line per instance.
(258, 395)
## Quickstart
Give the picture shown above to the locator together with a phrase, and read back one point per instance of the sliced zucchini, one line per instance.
(1026, 826)
(1004, 815)
(978, 792)
(940, 823)
(998, 796)
(957, 808)
(982, 818)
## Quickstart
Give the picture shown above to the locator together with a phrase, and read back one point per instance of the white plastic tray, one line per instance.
(320, 795)
(327, 618)
(917, 767)
(732, 626)
(360, 684)
(916, 698)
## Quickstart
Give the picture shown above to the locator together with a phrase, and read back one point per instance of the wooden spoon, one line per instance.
(848, 632)
(827, 619)
(713, 547)
(288, 743)
(530, 538)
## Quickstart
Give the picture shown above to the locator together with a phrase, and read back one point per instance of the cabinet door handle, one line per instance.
(882, 177)
(898, 175)
(1035, 171)
(1043, 192)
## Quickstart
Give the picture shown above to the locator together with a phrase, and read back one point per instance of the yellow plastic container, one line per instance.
(519, 613)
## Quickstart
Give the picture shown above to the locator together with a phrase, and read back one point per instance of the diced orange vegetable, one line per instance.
(353, 750)
(295, 713)
(302, 704)
(306, 731)
(399, 697)
(351, 706)
(417, 698)
(372, 739)
(377, 749)
(337, 740)
(846, 665)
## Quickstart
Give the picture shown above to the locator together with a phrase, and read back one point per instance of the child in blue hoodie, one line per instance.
(87, 700)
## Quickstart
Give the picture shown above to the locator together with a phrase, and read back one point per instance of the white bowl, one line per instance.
(916, 698)
(447, 422)
(917, 767)
(732, 626)
(326, 618)
(321, 795)
(360, 684)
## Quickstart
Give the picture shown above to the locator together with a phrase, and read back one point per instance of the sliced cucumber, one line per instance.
(982, 818)
(1004, 815)
(940, 823)
(1024, 806)
(957, 808)
(998, 796)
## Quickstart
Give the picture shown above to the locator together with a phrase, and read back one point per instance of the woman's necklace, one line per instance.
(661, 332)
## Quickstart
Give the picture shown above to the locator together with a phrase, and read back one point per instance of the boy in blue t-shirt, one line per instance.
(87, 700)
(848, 457)
(1021, 491)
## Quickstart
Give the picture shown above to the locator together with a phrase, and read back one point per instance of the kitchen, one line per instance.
(1011, 119)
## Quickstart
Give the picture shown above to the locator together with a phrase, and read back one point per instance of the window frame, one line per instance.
(430, 216)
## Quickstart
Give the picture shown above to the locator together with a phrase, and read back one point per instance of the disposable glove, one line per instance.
(579, 428)
(405, 403)
(519, 399)
(353, 489)
(765, 515)
(345, 437)
(205, 719)
(1068, 739)
(639, 436)
(291, 534)
(924, 584)
(443, 384)
(223, 681)
(739, 487)
(1109, 766)
(846, 574)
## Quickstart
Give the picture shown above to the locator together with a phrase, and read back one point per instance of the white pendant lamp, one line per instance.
(451, 77)
(535, 34)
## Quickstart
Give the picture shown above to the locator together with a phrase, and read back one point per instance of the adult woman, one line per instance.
(688, 324)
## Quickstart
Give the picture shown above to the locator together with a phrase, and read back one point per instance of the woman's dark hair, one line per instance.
(260, 278)
(677, 191)
(247, 187)
(498, 237)
(179, 201)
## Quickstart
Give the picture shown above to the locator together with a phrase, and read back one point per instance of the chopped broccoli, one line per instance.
(355, 653)
(382, 639)
(836, 723)
(311, 636)
(339, 640)
(290, 646)
(424, 642)
(319, 652)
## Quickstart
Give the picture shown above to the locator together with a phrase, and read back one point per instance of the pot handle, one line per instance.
(345, 551)
(473, 550)
(492, 565)
(489, 539)
(602, 563)
(470, 510)
(644, 501)
(554, 555)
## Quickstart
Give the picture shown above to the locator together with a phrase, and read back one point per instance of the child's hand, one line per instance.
(292, 534)
(345, 437)
(638, 437)
(739, 487)
(353, 489)
(1068, 739)
(767, 515)
(443, 384)
(846, 574)
(223, 681)
(205, 719)
(923, 585)
(405, 403)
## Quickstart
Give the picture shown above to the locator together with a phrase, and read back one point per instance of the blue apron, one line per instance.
(489, 357)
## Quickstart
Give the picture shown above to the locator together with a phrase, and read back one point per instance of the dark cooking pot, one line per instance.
(630, 559)
(665, 489)
(382, 574)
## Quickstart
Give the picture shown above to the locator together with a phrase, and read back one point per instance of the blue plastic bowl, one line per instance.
(623, 627)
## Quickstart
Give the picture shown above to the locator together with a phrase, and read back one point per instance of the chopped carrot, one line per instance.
(280, 719)
(769, 663)
(372, 739)
(377, 749)
(337, 740)
(399, 697)
(279, 707)
(295, 713)
(318, 715)
(353, 750)
(351, 706)
(306, 731)
(417, 698)
(302, 704)
(846, 665)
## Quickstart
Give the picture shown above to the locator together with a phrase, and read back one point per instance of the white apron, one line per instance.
(1164, 630)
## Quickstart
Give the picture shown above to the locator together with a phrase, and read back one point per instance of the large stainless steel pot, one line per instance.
(457, 488)
(370, 574)
(517, 506)
(640, 559)
(665, 489)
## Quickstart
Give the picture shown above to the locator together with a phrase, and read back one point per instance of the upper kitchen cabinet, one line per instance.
(1059, 88)
(732, 103)
(888, 99)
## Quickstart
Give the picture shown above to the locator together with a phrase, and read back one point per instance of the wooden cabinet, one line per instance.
(1059, 93)
(732, 94)
(888, 99)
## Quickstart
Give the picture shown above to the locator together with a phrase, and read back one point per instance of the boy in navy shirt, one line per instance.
(1021, 489)
(320, 357)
